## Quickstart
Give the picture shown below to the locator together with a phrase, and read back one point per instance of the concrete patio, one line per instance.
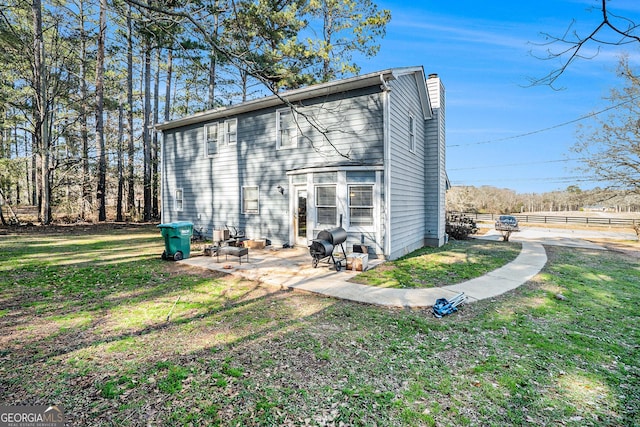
(292, 269)
(284, 267)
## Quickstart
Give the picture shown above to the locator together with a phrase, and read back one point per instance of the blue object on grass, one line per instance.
(442, 307)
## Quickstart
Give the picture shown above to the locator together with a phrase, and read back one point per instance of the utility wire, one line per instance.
(554, 180)
(516, 164)
(508, 138)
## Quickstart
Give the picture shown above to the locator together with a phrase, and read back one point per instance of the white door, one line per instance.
(300, 216)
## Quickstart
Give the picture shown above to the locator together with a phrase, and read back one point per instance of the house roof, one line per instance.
(366, 80)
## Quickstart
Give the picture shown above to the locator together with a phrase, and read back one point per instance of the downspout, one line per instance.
(384, 85)
(386, 114)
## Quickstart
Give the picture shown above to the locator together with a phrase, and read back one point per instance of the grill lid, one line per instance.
(335, 236)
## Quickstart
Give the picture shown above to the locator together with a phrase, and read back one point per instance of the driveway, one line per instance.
(563, 237)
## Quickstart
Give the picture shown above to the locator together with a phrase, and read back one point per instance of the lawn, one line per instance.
(97, 323)
(430, 267)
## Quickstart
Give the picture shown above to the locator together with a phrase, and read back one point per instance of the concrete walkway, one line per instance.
(291, 269)
(566, 238)
(528, 263)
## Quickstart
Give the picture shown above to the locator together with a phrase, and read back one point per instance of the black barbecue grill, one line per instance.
(321, 248)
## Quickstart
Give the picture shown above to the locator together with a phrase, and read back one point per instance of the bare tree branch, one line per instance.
(575, 45)
(610, 148)
(241, 59)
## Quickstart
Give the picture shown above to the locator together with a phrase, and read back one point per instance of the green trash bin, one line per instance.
(177, 239)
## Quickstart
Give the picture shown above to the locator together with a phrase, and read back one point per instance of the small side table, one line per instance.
(234, 251)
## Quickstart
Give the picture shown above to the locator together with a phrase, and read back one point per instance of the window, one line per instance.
(178, 202)
(211, 139)
(412, 134)
(250, 200)
(361, 204)
(325, 177)
(231, 131)
(358, 177)
(326, 209)
(299, 179)
(286, 130)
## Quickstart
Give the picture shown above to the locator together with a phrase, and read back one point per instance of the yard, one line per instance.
(94, 321)
(453, 263)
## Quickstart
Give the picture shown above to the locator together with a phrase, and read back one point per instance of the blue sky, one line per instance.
(482, 52)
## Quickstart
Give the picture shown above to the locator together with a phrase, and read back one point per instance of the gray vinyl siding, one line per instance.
(435, 167)
(349, 131)
(408, 177)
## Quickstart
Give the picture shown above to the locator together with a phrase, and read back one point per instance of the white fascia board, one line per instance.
(421, 82)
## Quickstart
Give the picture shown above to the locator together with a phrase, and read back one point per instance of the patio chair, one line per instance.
(236, 236)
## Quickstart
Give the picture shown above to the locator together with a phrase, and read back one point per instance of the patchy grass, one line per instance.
(431, 267)
(89, 333)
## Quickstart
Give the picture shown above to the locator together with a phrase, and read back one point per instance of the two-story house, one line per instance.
(368, 151)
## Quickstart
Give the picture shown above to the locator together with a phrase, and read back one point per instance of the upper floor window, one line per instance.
(211, 139)
(412, 133)
(286, 129)
(231, 131)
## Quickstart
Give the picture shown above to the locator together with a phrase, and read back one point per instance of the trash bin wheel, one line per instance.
(177, 256)
(338, 266)
(164, 255)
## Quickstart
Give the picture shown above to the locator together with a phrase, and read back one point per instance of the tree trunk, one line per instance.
(146, 141)
(212, 66)
(41, 121)
(167, 101)
(18, 188)
(154, 151)
(2, 202)
(130, 146)
(27, 169)
(34, 171)
(86, 201)
(243, 79)
(100, 144)
(4, 140)
(328, 34)
(4, 153)
(119, 217)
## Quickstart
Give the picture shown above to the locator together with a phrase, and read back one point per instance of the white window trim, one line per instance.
(278, 134)
(372, 206)
(176, 207)
(206, 139)
(227, 124)
(316, 206)
(244, 211)
(412, 133)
